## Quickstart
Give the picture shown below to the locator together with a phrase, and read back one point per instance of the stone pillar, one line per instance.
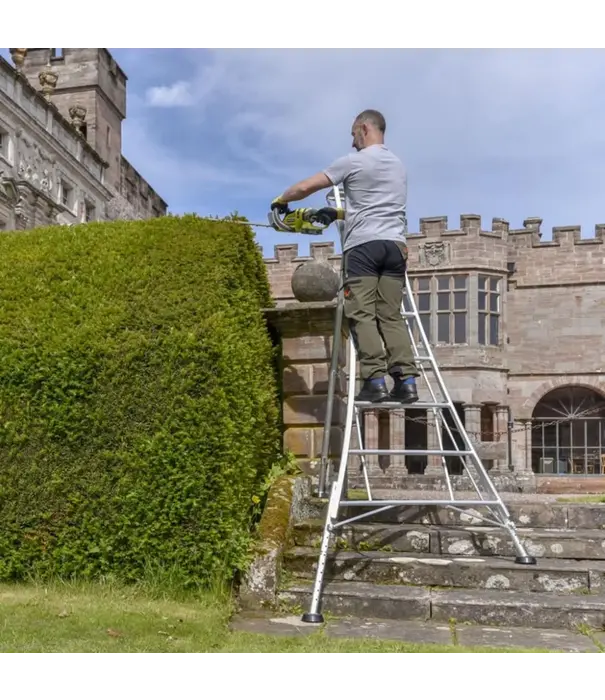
(501, 430)
(306, 334)
(434, 463)
(472, 421)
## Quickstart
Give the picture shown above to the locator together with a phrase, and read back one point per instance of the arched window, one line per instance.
(568, 432)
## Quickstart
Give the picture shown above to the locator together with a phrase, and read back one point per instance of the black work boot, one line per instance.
(374, 390)
(404, 390)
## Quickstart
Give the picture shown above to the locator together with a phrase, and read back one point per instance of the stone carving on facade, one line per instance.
(435, 253)
(21, 207)
(18, 56)
(48, 80)
(34, 165)
(78, 116)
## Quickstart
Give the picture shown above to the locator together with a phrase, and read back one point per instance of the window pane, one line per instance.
(460, 281)
(482, 281)
(460, 300)
(443, 282)
(481, 329)
(424, 284)
(482, 300)
(426, 324)
(493, 283)
(424, 302)
(443, 328)
(494, 302)
(443, 301)
(493, 330)
(460, 328)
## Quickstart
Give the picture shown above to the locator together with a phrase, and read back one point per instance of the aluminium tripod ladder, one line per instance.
(440, 402)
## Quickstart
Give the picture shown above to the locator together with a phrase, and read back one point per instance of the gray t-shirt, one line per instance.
(376, 187)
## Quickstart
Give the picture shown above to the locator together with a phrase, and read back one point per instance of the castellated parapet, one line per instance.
(519, 254)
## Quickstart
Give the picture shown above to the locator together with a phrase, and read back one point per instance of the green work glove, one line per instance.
(328, 215)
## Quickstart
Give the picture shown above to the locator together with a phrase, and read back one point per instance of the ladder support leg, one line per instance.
(325, 447)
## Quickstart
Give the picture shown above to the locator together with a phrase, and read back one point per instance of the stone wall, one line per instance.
(61, 113)
(47, 169)
(547, 302)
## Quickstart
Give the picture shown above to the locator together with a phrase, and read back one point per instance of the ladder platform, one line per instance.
(400, 405)
(412, 453)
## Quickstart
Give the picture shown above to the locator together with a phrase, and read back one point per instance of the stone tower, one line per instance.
(89, 79)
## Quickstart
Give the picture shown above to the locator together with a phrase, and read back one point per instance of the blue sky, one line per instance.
(505, 133)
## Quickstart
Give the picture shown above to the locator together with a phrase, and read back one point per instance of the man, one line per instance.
(374, 256)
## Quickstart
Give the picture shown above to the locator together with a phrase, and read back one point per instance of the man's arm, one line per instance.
(332, 175)
(305, 188)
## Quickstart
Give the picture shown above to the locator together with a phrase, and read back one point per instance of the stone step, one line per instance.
(557, 575)
(382, 479)
(494, 608)
(524, 513)
(457, 541)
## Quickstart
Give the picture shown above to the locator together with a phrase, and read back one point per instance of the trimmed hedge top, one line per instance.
(139, 410)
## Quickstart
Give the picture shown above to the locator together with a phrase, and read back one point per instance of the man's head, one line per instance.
(368, 129)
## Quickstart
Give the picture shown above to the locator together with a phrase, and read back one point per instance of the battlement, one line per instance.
(531, 235)
(518, 254)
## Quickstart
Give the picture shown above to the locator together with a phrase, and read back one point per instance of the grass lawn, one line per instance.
(105, 618)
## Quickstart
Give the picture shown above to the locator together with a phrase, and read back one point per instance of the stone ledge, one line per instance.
(261, 580)
(313, 318)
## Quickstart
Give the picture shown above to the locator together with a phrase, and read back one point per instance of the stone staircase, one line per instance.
(431, 563)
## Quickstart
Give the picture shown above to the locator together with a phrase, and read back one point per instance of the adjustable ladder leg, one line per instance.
(325, 447)
(314, 615)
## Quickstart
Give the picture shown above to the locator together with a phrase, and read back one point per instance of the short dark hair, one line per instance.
(372, 115)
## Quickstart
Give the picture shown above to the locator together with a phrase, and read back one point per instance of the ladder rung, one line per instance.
(399, 405)
(379, 503)
(412, 453)
(423, 358)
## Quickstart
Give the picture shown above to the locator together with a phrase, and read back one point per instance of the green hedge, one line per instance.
(138, 399)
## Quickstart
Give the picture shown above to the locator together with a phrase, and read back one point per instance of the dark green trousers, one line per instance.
(374, 282)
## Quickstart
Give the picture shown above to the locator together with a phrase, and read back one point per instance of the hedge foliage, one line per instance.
(139, 410)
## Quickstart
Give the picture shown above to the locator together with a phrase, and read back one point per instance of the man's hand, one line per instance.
(328, 215)
(279, 204)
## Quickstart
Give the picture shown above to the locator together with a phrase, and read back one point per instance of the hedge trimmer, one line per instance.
(303, 220)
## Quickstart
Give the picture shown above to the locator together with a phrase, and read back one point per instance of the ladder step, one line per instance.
(399, 405)
(412, 453)
(378, 503)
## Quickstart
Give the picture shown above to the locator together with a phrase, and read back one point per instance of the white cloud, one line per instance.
(176, 95)
(510, 133)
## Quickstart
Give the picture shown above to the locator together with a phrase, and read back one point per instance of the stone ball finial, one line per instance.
(315, 281)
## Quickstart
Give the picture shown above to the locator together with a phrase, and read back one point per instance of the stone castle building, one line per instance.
(61, 162)
(518, 329)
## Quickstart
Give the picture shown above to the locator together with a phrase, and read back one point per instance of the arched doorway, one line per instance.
(568, 432)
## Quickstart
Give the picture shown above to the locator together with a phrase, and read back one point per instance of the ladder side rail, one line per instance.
(482, 473)
(314, 614)
(336, 345)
